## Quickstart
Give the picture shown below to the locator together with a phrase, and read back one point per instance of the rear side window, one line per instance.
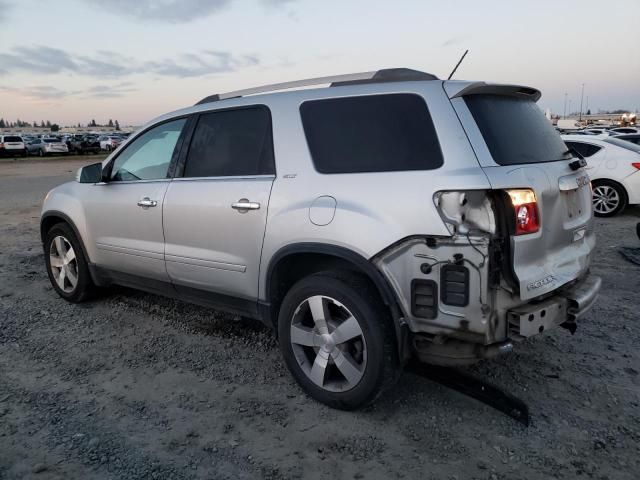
(231, 143)
(584, 149)
(376, 133)
(515, 130)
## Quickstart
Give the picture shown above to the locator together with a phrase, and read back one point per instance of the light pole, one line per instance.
(564, 115)
(581, 98)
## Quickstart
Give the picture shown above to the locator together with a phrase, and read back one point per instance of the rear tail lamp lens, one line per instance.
(525, 207)
(636, 164)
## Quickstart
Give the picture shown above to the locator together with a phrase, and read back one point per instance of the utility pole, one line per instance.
(581, 98)
(564, 115)
(586, 105)
(569, 106)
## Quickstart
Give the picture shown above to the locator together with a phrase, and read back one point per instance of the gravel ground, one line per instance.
(137, 386)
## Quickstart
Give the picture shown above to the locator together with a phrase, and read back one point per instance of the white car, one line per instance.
(622, 130)
(109, 143)
(614, 168)
(12, 145)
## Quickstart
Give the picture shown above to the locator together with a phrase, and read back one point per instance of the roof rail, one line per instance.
(379, 76)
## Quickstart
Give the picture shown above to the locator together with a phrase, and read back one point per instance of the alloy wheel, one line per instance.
(64, 265)
(605, 199)
(328, 343)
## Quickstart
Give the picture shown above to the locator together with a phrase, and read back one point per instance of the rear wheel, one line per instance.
(609, 198)
(336, 338)
(67, 265)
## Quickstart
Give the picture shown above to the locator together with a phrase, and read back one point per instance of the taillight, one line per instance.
(636, 164)
(525, 207)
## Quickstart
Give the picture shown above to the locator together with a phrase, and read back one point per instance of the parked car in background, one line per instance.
(109, 143)
(409, 217)
(630, 137)
(82, 144)
(12, 145)
(47, 146)
(614, 168)
(600, 131)
(626, 130)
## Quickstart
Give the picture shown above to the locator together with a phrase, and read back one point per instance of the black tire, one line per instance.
(621, 194)
(381, 368)
(84, 288)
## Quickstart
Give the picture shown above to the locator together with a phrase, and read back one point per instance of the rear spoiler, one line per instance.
(481, 88)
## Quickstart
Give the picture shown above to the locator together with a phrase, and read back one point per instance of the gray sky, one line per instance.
(73, 60)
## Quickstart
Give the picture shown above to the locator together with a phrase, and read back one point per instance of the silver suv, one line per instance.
(388, 216)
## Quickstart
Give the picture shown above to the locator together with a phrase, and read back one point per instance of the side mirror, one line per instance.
(90, 174)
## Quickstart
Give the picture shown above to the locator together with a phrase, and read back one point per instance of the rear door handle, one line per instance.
(146, 202)
(243, 205)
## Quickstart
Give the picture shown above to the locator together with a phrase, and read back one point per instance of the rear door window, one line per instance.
(231, 143)
(515, 130)
(584, 149)
(374, 133)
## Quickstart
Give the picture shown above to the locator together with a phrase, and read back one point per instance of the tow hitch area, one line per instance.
(474, 388)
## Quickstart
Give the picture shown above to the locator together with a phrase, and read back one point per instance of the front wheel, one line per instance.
(67, 265)
(609, 198)
(336, 338)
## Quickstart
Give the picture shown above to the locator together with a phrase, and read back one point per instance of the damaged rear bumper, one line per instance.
(563, 308)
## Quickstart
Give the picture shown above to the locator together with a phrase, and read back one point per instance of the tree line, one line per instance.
(53, 126)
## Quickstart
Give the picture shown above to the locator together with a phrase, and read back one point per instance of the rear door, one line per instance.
(518, 148)
(216, 208)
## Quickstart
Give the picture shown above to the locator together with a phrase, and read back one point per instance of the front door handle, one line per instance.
(243, 205)
(146, 202)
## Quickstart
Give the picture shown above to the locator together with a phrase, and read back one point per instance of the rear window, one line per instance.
(12, 139)
(377, 133)
(515, 130)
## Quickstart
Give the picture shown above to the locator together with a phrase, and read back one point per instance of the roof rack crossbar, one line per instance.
(385, 75)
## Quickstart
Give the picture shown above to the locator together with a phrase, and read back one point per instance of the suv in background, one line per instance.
(391, 215)
(12, 145)
(82, 144)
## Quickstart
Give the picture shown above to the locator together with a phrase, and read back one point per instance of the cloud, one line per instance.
(171, 11)
(454, 41)
(110, 91)
(48, 60)
(277, 3)
(5, 7)
(48, 93)
(39, 92)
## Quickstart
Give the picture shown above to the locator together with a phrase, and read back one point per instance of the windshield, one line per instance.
(515, 130)
(51, 140)
(623, 144)
(12, 139)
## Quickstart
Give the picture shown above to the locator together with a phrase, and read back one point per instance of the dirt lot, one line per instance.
(137, 386)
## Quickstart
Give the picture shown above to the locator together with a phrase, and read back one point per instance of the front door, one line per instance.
(125, 212)
(216, 209)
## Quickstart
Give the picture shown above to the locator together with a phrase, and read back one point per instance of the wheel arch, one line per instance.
(53, 217)
(293, 262)
(611, 180)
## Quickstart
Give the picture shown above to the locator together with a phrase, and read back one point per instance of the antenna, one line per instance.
(458, 64)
